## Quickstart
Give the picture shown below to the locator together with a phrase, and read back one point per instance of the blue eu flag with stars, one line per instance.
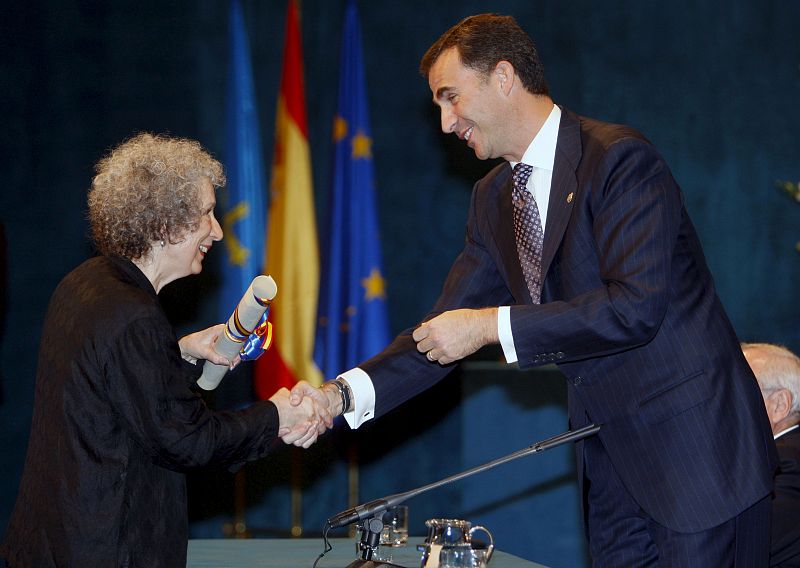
(352, 317)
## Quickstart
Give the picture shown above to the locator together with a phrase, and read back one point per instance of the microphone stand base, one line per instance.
(360, 563)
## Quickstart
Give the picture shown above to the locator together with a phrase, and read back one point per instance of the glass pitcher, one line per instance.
(450, 533)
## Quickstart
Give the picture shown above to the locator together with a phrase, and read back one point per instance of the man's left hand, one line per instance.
(453, 335)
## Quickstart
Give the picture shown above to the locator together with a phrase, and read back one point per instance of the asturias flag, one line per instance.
(292, 258)
(352, 322)
(243, 211)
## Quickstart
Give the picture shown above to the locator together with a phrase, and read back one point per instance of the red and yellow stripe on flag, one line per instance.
(292, 258)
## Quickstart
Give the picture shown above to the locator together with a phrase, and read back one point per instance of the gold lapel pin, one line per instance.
(569, 197)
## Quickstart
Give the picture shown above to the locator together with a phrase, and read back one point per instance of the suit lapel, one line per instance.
(563, 186)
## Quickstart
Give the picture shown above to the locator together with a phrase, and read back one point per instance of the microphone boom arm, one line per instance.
(372, 508)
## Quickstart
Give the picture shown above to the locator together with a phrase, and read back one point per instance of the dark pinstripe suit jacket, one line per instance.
(629, 313)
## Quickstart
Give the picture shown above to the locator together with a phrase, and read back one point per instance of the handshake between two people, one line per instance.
(444, 339)
(304, 413)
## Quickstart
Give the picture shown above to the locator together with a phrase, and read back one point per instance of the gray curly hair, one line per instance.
(147, 190)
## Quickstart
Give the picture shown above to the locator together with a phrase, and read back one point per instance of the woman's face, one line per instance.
(186, 256)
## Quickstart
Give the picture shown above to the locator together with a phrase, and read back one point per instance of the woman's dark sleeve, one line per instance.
(148, 385)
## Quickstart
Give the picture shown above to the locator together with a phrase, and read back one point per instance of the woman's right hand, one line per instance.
(299, 424)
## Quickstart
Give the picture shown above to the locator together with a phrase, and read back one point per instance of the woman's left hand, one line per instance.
(200, 345)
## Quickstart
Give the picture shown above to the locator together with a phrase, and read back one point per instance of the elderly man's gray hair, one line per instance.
(780, 369)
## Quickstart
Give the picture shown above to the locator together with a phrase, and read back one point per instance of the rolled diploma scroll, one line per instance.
(240, 325)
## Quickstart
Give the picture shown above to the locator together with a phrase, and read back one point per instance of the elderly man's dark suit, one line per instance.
(785, 549)
(629, 313)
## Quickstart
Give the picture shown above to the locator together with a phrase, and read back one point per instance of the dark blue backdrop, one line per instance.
(714, 86)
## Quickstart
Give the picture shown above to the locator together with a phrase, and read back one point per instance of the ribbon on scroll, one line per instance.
(258, 341)
(244, 322)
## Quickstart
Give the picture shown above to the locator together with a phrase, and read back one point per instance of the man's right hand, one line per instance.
(302, 423)
(326, 397)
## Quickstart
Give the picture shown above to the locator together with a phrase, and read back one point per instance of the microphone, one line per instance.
(358, 513)
(372, 508)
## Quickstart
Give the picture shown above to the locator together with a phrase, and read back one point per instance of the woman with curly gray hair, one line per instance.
(117, 420)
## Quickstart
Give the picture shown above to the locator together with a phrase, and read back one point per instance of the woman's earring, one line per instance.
(162, 243)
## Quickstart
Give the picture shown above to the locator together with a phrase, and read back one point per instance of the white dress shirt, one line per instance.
(782, 432)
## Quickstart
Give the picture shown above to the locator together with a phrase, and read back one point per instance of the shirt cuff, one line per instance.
(363, 403)
(505, 335)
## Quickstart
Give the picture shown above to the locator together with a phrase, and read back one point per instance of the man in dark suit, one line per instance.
(778, 373)
(584, 256)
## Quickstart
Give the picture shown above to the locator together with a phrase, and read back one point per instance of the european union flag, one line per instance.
(353, 322)
(243, 217)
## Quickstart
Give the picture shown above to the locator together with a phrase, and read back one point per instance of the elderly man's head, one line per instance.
(778, 373)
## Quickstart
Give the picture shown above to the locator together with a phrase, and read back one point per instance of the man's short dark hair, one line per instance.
(486, 39)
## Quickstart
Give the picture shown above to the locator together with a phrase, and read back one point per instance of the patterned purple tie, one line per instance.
(528, 231)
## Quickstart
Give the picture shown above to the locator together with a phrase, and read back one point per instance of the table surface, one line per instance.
(296, 552)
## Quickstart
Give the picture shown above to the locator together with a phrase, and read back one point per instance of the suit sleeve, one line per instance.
(633, 215)
(400, 371)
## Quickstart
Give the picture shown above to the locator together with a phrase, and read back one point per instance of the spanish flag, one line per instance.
(292, 258)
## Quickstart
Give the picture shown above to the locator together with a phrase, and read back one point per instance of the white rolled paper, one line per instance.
(240, 325)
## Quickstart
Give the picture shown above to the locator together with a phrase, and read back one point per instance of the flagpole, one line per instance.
(240, 505)
(297, 492)
(352, 477)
